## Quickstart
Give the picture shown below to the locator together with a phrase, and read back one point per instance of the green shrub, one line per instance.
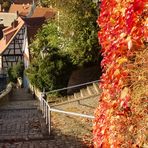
(16, 71)
(50, 73)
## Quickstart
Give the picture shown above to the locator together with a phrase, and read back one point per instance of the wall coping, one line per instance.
(6, 92)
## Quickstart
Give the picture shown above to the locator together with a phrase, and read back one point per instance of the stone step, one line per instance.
(92, 90)
(29, 144)
(77, 95)
(96, 87)
(61, 141)
(21, 94)
(84, 92)
(22, 124)
(18, 113)
(20, 104)
(89, 91)
(70, 97)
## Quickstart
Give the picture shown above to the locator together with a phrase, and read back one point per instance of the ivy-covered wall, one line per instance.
(120, 119)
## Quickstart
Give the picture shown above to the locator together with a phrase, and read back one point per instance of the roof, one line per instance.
(7, 18)
(24, 1)
(9, 33)
(47, 13)
(33, 16)
(33, 24)
(23, 10)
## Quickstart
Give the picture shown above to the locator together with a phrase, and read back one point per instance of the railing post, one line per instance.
(49, 120)
(46, 114)
(41, 104)
(44, 108)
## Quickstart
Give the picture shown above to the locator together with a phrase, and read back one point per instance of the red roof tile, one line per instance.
(24, 1)
(9, 34)
(23, 10)
(48, 13)
(37, 18)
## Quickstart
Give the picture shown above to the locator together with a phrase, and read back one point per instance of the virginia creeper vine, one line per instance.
(123, 37)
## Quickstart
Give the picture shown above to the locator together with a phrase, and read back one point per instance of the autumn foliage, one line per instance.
(120, 119)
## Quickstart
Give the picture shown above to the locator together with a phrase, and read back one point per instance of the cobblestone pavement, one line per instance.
(22, 126)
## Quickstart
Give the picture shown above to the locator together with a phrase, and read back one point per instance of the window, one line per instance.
(11, 58)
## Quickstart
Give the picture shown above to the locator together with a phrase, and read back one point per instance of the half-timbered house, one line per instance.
(34, 17)
(5, 21)
(11, 45)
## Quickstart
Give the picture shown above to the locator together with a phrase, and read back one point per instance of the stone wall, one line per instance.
(83, 75)
(6, 94)
(35, 91)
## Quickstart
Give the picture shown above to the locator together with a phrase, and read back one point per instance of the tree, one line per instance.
(78, 29)
(73, 34)
(50, 73)
(53, 70)
(47, 36)
(121, 117)
(5, 4)
(16, 71)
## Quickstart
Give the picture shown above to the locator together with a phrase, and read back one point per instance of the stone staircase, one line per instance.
(83, 102)
(23, 126)
(85, 93)
(20, 119)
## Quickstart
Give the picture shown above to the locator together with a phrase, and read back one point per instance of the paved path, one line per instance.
(22, 126)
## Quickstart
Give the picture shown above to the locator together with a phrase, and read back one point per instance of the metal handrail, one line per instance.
(74, 86)
(46, 110)
(72, 113)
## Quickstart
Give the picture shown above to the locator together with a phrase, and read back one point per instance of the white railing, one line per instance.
(46, 110)
(73, 86)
